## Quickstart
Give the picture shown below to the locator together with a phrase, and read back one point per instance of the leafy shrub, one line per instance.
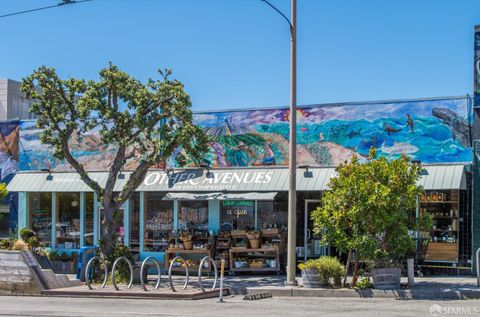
(5, 244)
(33, 243)
(26, 233)
(365, 282)
(328, 267)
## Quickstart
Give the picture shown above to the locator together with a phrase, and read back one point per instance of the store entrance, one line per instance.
(312, 246)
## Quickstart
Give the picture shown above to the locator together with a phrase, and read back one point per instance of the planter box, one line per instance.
(311, 279)
(386, 278)
(60, 267)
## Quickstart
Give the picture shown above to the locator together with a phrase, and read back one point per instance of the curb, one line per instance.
(412, 294)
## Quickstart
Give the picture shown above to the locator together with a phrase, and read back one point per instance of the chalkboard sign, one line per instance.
(239, 213)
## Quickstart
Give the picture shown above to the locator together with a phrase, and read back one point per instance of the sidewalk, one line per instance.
(442, 288)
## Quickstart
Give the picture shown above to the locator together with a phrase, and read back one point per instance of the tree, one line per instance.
(145, 122)
(368, 209)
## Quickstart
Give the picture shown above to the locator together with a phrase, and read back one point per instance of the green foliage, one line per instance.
(147, 122)
(368, 206)
(33, 243)
(364, 283)
(5, 244)
(425, 222)
(26, 234)
(328, 267)
(54, 255)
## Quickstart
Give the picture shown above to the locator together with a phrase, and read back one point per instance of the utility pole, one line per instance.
(292, 149)
(292, 160)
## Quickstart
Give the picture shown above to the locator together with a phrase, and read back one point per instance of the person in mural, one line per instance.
(268, 156)
(9, 136)
(242, 155)
(411, 124)
(387, 128)
(219, 154)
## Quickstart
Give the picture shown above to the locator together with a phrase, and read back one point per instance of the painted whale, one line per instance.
(457, 125)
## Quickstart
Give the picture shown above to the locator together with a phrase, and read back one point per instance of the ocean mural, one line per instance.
(433, 131)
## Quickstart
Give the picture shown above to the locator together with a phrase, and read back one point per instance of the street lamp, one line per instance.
(292, 150)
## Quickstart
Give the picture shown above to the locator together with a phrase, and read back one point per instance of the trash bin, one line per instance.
(85, 254)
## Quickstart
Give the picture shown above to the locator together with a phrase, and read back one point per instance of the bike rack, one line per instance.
(170, 273)
(114, 267)
(212, 262)
(87, 271)
(152, 259)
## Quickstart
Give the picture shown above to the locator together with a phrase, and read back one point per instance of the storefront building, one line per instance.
(220, 205)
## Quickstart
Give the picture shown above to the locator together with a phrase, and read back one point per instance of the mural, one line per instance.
(477, 67)
(433, 131)
(9, 153)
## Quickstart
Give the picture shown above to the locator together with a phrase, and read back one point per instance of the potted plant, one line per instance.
(254, 239)
(319, 272)
(368, 210)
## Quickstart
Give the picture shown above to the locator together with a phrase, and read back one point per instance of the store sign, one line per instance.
(217, 179)
(238, 208)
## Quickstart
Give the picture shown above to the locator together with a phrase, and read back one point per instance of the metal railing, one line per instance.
(211, 262)
(187, 278)
(151, 259)
(87, 271)
(114, 267)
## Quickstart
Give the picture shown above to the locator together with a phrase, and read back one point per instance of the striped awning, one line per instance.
(240, 180)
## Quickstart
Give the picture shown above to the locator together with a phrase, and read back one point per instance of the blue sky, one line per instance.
(235, 53)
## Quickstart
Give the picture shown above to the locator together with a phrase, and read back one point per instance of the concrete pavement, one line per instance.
(233, 307)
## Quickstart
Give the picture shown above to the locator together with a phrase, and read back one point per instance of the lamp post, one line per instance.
(292, 149)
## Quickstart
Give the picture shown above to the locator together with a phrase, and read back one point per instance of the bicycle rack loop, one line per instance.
(170, 273)
(152, 259)
(88, 267)
(212, 262)
(114, 267)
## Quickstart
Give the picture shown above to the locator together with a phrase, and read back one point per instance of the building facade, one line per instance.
(245, 187)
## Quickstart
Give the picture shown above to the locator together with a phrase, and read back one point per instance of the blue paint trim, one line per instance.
(126, 222)
(142, 221)
(53, 243)
(214, 215)
(96, 220)
(175, 214)
(23, 217)
(82, 219)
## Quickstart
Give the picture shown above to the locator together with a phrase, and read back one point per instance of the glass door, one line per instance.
(313, 248)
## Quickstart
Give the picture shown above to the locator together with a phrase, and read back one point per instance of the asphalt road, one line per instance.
(233, 306)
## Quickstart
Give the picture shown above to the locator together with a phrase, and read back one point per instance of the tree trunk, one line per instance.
(109, 223)
(355, 269)
(347, 267)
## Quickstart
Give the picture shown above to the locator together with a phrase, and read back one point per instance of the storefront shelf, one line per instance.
(233, 250)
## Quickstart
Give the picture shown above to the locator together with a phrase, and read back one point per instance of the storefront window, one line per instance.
(158, 222)
(135, 222)
(4, 214)
(193, 215)
(40, 205)
(89, 218)
(442, 206)
(120, 230)
(237, 215)
(68, 221)
(272, 214)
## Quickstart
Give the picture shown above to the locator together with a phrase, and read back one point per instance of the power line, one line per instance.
(64, 2)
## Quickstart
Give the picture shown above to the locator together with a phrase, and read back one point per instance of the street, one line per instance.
(233, 306)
